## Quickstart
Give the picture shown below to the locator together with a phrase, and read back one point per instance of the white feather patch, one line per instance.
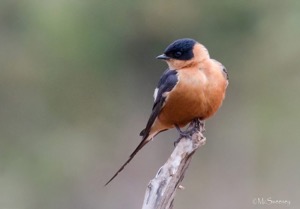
(155, 93)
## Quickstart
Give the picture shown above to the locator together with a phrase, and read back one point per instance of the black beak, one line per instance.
(162, 57)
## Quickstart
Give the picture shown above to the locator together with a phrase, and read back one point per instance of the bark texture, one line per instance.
(161, 190)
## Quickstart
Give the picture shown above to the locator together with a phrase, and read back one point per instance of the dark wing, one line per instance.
(166, 83)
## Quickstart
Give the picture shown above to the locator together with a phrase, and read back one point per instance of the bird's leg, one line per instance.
(182, 134)
(201, 126)
(190, 127)
(198, 125)
(195, 125)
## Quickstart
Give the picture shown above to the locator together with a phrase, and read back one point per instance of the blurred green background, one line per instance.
(77, 79)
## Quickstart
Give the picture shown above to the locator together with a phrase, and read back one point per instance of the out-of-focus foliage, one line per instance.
(76, 88)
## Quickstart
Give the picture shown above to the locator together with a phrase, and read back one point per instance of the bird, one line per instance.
(192, 88)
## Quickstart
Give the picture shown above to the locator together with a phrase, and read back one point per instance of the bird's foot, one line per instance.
(197, 125)
(182, 134)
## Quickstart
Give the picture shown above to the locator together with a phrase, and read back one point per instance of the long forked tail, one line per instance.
(139, 147)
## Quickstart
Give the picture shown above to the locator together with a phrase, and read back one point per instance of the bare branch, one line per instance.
(161, 190)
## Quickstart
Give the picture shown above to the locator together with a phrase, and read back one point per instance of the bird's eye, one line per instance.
(178, 54)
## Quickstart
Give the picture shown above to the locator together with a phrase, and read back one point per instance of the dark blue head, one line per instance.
(181, 49)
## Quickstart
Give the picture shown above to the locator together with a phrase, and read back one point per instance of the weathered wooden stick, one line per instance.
(161, 190)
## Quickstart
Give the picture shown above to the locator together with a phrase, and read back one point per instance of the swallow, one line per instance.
(193, 87)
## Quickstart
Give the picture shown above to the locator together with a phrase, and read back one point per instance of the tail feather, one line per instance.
(139, 147)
